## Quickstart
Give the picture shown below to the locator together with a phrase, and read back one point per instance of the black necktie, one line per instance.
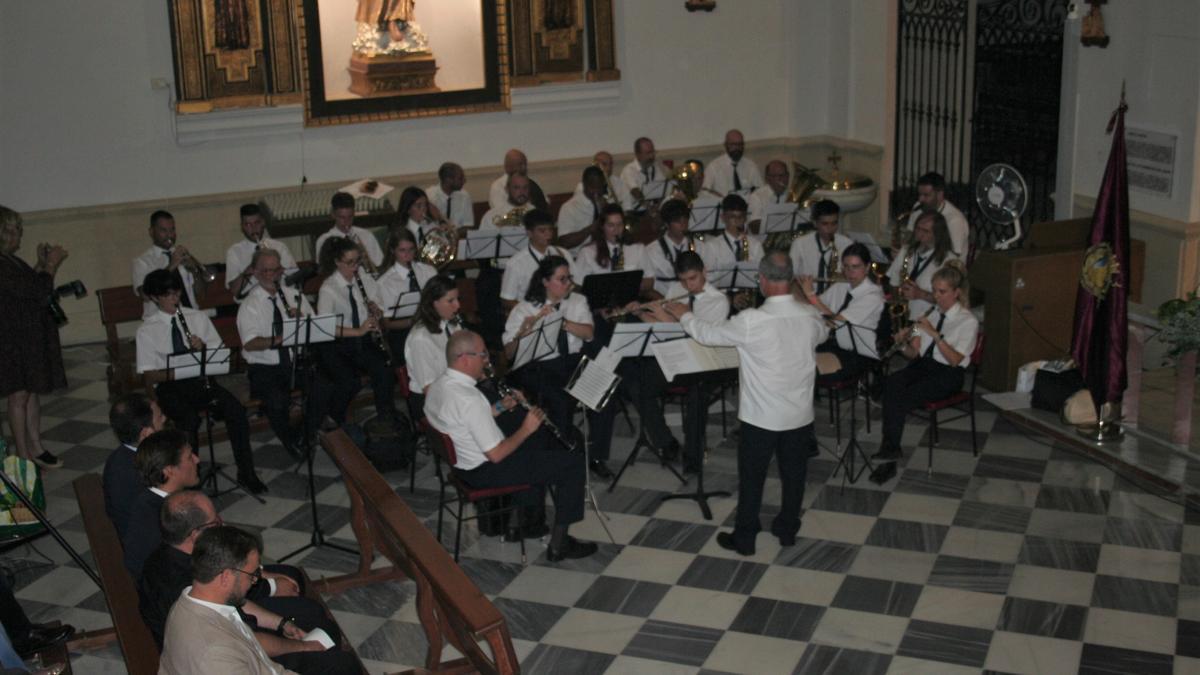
(929, 350)
(449, 203)
(447, 329)
(691, 302)
(183, 297)
(353, 307)
(563, 349)
(737, 249)
(413, 286)
(277, 329)
(845, 303)
(178, 346)
(616, 258)
(821, 268)
(737, 182)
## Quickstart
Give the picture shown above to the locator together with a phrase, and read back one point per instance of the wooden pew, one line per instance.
(120, 305)
(451, 607)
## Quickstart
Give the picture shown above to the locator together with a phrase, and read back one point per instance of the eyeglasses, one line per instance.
(256, 575)
(482, 355)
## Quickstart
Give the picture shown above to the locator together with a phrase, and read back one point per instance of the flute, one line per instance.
(901, 341)
(646, 305)
(506, 391)
(377, 333)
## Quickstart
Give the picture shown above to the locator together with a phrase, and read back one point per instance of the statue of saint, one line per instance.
(386, 27)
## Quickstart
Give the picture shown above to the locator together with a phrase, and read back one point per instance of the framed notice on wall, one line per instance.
(1150, 160)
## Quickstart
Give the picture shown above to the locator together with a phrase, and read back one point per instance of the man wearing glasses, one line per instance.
(487, 458)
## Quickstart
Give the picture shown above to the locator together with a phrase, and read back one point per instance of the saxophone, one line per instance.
(898, 307)
(745, 247)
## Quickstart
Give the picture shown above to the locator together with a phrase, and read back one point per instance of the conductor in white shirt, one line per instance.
(776, 344)
(732, 171)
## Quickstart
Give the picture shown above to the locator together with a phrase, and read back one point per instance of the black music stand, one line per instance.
(405, 306)
(696, 383)
(705, 215)
(847, 460)
(612, 289)
(595, 403)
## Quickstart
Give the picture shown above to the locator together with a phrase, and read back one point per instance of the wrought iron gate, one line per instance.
(978, 82)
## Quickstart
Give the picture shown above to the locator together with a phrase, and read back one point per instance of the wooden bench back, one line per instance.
(137, 644)
(451, 607)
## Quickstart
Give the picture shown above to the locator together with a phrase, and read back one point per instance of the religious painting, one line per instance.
(368, 60)
(234, 53)
(562, 41)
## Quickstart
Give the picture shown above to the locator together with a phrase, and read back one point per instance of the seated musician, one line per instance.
(449, 199)
(608, 251)
(733, 171)
(851, 309)
(403, 273)
(488, 283)
(734, 243)
(582, 210)
(643, 169)
(515, 163)
(911, 272)
(414, 215)
(539, 227)
(173, 329)
(269, 365)
(940, 347)
(239, 268)
(487, 458)
(661, 255)
(425, 348)
(695, 185)
(614, 188)
(812, 254)
(342, 209)
(774, 191)
(546, 378)
(359, 348)
(165, 254)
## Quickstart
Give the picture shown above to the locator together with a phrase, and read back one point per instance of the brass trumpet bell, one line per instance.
(685, 180)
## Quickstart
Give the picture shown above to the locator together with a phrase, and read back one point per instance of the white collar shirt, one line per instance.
(807, 252)
(573, 308)
(634, 177)
(617, 187)
(256, 319)
(455, 407)
(956, 223)
(154, 342)
(758, 202)
(395, 282)
(660, 261)
(364, 237)
(238, 258)
(856, 333)
(577, 213)
(155, 258)
(718, 250)
(425, 354)
(718, 175)
(519, 269)
(633, 257)
(960, 330)
(334, 298)
(776, 344)
(498, 193)
(710, 305)
(457, 208)
(921, 271)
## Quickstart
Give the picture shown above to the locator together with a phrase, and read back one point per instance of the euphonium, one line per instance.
(805, 181)
(511, 219)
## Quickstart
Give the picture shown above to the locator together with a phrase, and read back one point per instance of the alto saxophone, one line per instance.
(898, 307)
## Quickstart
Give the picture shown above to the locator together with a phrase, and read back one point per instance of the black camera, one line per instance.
(75, 288)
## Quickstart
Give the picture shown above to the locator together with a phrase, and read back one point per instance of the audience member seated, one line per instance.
(167, 465)
(132, 417)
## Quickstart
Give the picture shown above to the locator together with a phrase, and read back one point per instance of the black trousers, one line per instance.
(396, 339)
(905, 390)
(545, 382)
(853, 363)
(541, 462)
(791, 449)
(12, 615)
(695, 422)
(341, 362)
(643, 383)
(487, 302)
(182, 401)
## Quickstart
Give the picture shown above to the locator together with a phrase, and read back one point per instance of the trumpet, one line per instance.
(904, 336)
(365, 260)
(197, 269)
(647, 305)
(506, 391)
(377, 333)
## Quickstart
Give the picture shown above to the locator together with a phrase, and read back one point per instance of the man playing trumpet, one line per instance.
(164, 254)
(239, 256)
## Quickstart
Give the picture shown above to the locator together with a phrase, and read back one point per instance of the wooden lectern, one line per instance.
(1029, 297)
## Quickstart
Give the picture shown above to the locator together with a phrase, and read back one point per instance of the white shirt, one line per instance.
(659, 261)
(633, 258)
(519, 269)
(710, 305)
(256, 318)
(776, 344)
(489, 218)
(633, 177)
(861, 316)
(718, 175)
(960, 331)
(364, 237)
(760, 199)
(238, 258)
(617, 187)
(956, 222)
(717, 250)
(577, 213)
(498, 194)
(154, 336)
(425, 354)
(461, 208)
(806, 253)
(155, 258)
(456, 408)
(574, 308)
(394, 282)
(333, 298)
(921, 271)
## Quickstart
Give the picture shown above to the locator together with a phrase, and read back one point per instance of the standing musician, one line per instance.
(643, 169)
(940, 347)
(851, 309)
(342, 208)
(539, 228)
(268, 364)
(776, 344)
(448, 199)
(358, 348)
(609, 253)
(931, 198)
(164, 254)
(174, 329)
(487, 458)
(662, 255)
(732, 171)
(773, 192)
(579, 213)
(403, 273)
(425, 348)
(238, 257)
(812, 255)
(926, 252)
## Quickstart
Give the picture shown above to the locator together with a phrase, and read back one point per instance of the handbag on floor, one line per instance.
(15, 519)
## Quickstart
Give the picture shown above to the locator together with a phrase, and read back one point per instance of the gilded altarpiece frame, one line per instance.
(550, 39)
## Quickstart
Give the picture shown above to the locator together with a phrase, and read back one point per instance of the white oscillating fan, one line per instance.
(1002, 197)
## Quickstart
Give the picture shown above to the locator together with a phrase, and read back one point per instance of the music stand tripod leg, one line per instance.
(216, 470)
(700, 496)
(318, 533)
(587, 482)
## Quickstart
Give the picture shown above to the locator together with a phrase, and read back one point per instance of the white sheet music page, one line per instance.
(595, 380)
(680, 357)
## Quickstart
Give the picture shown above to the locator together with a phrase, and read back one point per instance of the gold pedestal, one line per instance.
(1108, 428)
(392, 75)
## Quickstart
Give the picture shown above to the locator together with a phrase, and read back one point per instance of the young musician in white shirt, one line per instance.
(415, 213)
(403, 273)
(425, 349)
(174, 329)
(239, 271)
(927, 251)
(165, 254)
(851, 309)
(608, 251)
(940, 346)
(448, 199)
(614, 190)
(812, 254)
(539, 228)
(506, 217)
(661, 255)
(734, 243)
(342, 209)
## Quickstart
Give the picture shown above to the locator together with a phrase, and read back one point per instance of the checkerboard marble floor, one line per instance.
(1027, 559)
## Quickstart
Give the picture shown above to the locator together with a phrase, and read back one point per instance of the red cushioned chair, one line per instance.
(838, 391)
(466, 493)
(955, 401)
(413, 418)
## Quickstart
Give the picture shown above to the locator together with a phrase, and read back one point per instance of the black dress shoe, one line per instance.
(572, 549)
(785, 539)
(252, 484)
(726, 541)
(600, 469)
(42, 637)
(887, 454)
(671, 451)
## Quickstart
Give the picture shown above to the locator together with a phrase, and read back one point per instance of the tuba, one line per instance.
(805, 182)
(439, 246)
(684, 178)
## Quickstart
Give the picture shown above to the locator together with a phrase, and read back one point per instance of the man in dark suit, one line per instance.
(167, 465)
(132, 417)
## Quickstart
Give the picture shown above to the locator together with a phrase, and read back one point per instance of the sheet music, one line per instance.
(628, 339)
(541, 340)
(877, 254)
(783, 217)
(607, 360)
(300, 331)
(319, 635)
(187, 365)
(593, 381)
(705, 212)
(406, 305)
(743, 275)
(656, 189)
(490, 242)
(680, 357)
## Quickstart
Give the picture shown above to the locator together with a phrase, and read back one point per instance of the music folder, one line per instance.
(612, 289)
(406, 305)
(705, 216)
(742, 275)
(681, 357)
(187, 365)
(305, 330)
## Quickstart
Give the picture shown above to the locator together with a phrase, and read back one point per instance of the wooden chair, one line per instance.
(120, 305)
(956, 401)
(465, 493)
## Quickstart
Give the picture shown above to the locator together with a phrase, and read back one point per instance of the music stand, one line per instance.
(740, 276)
(205, 363)
(492, 243)
(539, 342)
(847, 460)
(705, 215)
(612, 289)
(598, 386)
(657, 190)
(299, 333)
(696, 383)
(785, 217)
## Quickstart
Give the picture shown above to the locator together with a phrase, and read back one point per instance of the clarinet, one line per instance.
(377, 334)
(506, 391)
(900, 342)
(187, 338)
